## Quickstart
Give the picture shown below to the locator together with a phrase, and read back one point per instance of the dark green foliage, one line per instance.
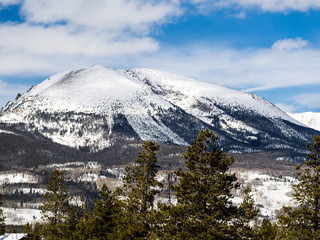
(55, 208)
(303, 222)
(140, 188)
(102, 222)
(247, 212)
(204, 194)
(267, 230)
(32, 233)
(81, 229)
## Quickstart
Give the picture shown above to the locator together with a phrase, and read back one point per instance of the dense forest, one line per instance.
(201, 206)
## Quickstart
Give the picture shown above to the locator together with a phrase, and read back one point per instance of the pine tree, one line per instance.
(140, 188)
(32, 233)
(204, 207)
(102, 222)
(2, 218)
(267, 230)
(81, 231)
(303, 222)
(55, 207)
(247, 213)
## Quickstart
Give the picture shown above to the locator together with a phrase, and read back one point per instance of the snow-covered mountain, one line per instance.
(94, 108)
(310, 119)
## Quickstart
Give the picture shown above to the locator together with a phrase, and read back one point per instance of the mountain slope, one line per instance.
(310, 119)
(94, 108)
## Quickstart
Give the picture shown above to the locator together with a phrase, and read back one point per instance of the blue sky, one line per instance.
(269, 47)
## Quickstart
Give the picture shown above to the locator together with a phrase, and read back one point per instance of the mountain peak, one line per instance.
(95, 107)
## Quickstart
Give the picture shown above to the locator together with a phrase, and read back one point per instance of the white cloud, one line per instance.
(9, 2)
(309, 100)
(264, 5)
(288, 44)
(119, 15)
(249, 69)
(58, 34)
(62, 40)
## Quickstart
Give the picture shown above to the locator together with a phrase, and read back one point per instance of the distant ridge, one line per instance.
(310, 119)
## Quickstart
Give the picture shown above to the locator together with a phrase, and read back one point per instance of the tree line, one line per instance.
(204, 207)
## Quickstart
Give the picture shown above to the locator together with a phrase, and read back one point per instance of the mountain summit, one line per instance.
(94, 108)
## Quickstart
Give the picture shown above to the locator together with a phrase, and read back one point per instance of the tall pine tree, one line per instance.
(140, 188)
(102, 222)
(204, 195)
(303, 222)
(55, 207)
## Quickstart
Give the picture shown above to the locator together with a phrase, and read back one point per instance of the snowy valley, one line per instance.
(271, 189)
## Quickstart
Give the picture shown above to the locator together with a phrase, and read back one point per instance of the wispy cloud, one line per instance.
(291, 108)
(247, 69)
(287, 44)
(9, 2)
(263, 5)
(309, 100)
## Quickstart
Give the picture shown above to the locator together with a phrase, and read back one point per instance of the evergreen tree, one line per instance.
(2, 218)
(267, 230)
(102, 222)
(303, 222)
(140, 188)
(204, 207)
(247, 212)
(81, 229)
(55, 207)
(32, 234)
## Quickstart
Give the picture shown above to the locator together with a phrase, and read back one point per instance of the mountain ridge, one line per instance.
(93, 108)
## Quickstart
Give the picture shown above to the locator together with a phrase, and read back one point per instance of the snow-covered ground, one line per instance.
(20, 216)
(270, 193)
(90, 177)
(71, 165)
(8, 178)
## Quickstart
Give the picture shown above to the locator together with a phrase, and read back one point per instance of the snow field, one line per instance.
(8, 178)
(270, 193)
(20, 216)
